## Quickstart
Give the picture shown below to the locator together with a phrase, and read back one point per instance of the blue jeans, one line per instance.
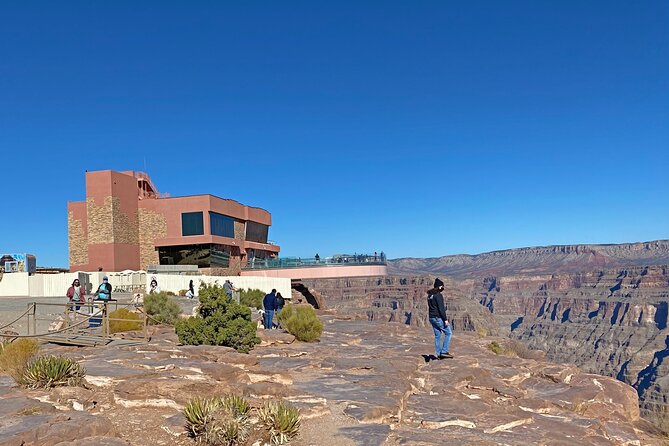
(269, 315)
(441, 345)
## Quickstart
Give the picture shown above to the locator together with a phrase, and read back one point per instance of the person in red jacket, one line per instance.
(76, 294)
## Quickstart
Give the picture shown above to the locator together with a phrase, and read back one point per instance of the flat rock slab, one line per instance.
(363, 384)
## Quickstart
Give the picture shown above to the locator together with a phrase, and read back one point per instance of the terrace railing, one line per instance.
(302, 262)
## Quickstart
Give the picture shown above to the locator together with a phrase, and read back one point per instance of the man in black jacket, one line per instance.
(438, 320)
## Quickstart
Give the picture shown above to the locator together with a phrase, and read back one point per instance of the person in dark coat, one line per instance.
(269, 304)
(438, 320)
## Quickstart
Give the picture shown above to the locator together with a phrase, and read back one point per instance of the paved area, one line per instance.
(13, 307)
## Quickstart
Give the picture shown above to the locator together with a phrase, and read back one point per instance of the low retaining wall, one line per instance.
(56, 285)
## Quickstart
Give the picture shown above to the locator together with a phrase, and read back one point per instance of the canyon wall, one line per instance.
(396, 299)
(612, 322)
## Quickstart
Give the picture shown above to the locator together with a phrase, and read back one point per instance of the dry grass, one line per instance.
(516, 349)
(127, 321)
(15, 356)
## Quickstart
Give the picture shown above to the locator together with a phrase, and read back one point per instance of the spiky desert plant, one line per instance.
(281, 420)
(52, 371)
(199, 413)
(236, 405)
(218, 420)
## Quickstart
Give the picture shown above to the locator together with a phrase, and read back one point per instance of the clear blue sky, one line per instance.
(419, 128)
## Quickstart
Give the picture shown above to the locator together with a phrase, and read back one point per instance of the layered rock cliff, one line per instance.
(396, 299)
(612, 322)
(538, 260)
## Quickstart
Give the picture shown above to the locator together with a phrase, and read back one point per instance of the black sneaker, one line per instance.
(445, 356)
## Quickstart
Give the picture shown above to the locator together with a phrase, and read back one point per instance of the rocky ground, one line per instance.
(365, 383)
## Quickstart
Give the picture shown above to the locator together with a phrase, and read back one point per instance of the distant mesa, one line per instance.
(556, 259)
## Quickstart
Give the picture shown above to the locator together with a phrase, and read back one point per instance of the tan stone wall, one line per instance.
(126, 229)
(107, 224)
(100, 222)
(78, 245)
(152, 226)
(240, 230)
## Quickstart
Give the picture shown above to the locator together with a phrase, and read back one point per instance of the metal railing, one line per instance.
(90, 318)
(301, 262)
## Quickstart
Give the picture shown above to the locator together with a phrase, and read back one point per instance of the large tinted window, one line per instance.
(192, 223)
(256, 232)
(222, 225)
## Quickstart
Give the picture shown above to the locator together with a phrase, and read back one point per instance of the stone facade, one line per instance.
(240, 230)
(100, 222)
(77, 241)
(108, 224)
(152, 226)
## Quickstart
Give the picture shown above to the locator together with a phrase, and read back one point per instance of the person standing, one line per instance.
(269, 304)
(229, 288)
(104, 290)
(438, 320)
(76, 294)
(154, 286)
(191, 290)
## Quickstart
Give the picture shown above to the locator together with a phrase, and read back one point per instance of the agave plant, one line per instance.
(52, 371)
(218, 421)
(199, 413)
(281, 419)
(236, 405)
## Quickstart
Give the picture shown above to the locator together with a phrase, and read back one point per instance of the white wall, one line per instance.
(52, 285)
(14, 285)
(38, 285)
(176, 282)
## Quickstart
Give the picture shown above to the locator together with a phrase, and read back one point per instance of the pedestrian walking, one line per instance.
(440, 325)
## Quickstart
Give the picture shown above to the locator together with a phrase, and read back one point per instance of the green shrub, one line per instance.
(218, 421)
(52, 371)
(161, 308)
(15, 356)
(170, 293)
(218, 322)
(281, 420)
(301, 321)
(124, 320)
(251, 297)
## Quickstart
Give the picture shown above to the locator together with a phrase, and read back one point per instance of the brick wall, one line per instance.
(152, 226)
(78, 244)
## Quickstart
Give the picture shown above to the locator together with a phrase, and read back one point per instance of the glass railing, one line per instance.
(301, 262)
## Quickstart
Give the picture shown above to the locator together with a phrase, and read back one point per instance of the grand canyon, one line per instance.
(603, 308)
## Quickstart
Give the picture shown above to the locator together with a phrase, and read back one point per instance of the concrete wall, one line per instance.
(177, 282)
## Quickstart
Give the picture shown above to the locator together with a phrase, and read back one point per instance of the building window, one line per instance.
(256, 232)
(192, 223)
(221, 225)
(220, 256)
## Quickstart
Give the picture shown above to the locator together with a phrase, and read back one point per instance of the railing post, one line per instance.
(105, 320)
(34, 317)
(146, 328)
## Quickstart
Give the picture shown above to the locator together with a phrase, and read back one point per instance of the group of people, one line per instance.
(272, 303)
(76, 293)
